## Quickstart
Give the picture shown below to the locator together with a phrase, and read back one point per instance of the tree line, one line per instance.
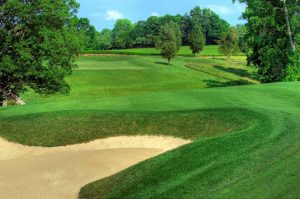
(126, 34)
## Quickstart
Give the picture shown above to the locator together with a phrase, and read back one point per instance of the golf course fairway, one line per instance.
(232, 136)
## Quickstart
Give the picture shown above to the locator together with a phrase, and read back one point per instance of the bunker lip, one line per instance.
(60, 172)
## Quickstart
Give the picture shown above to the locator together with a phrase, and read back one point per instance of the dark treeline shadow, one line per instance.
(237, 71)
(163, 63)
(215, 83)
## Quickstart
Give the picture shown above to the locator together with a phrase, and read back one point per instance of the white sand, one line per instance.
(60, 172)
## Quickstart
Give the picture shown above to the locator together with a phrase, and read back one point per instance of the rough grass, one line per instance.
(71, 127)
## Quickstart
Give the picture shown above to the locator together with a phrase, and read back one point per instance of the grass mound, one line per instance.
(258, 162)
(70, 127)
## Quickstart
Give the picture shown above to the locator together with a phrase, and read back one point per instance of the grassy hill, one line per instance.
(246, 138)
(259, 160)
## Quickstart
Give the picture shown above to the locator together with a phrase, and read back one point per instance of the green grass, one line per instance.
(260, 161)
(71, 127)
(246, 138)
(209, 50)
(129, 75)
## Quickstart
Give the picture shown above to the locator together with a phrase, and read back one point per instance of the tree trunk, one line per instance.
(293, 46)
(18, 100)
(3, 103)
(169, 60)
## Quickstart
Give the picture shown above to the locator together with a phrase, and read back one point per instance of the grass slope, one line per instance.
(246, 138)
(70, 127)
(261, 161)
(130, 75)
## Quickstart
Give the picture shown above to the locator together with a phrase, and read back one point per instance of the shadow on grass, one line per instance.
(237, 71)
(214, 83)
(163, 63)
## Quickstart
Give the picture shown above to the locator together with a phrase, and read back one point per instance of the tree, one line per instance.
(104, 40)
(212, 25)
(196, 39)
(242, 41)
(185, 26)
(122, 34)
(138, 34)
(169, 40)
(87, 33)
(146, 33)
(38, 46)
(287, 20)
(272, 29)
(152, 29)
(229, 43)
(140, 42)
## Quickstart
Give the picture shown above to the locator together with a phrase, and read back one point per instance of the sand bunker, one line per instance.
(60, 172)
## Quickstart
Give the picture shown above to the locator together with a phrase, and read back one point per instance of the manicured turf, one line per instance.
(128, 75)
(261, 161)
(184, 51)
(71, 127)
(246, 138)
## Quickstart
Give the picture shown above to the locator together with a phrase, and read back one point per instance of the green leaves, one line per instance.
(169, 40)
(121, 33)
(196, 39)
(271, 40)
(39, 44)
(229, 43)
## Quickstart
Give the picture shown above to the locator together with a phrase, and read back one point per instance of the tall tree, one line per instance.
(272, 29)
(38, 46)
(122, 34)
(139, 34)
(152, 29)
(287, 19)
(104, 40)
(212, 25)
(87, 33)
(229, 43)
(242, 41)
(185, 26)
(196, 39)
(169, 40)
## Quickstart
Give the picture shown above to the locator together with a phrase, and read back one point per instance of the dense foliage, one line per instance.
(121, 34)
(229, 43)
(87, 33)
(273, 35)
(38, 46)
(104, 40)
(196, 39)
(146, 33)
(169, 40)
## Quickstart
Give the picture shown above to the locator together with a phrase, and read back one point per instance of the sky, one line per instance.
(104, 13)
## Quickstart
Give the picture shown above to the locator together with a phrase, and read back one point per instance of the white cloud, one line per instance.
(220, 9)
(113, 15)
(155, 14)
(240, 7)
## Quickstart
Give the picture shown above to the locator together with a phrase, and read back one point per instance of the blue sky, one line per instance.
(104, 13)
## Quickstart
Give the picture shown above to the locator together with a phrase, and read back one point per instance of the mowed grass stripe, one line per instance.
(158, 77)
